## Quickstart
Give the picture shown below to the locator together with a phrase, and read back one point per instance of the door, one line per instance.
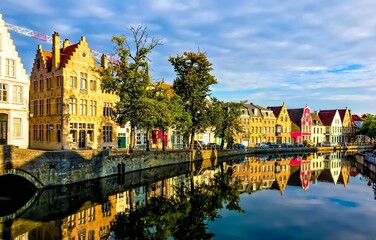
(82, 139)
(3, 129)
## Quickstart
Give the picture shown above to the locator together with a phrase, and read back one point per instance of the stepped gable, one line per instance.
(327, 116)
(296, 116)
(65, 55)
(276, 110)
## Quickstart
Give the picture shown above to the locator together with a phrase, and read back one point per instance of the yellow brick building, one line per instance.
(253, 126)
(283, 124)
(68, 110)
(268, 124)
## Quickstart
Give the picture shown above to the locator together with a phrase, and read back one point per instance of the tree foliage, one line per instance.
(226, 119)
(184, 215)
(129, 79)
(369, 126)
(193, 84)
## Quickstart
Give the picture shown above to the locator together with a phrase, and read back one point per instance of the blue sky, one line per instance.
(315, 52)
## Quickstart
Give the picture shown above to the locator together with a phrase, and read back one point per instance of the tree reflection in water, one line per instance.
(184, 215)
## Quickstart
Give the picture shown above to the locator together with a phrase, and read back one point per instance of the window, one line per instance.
(138, 138)
(59, 81)
(58, 133)
(107, 109)
(91, 214)
(107, 133)
(81, 217)
(106, 209)
(91, 235)
(3, 92)
(35, 108)
(83, 107)
(72, 106)
(58, 106)
(71, 221)
(83, 81)
(48, 133)
(73, 82)
(41, 107)
(17, 94)
(17, 127)
(48, 82)
(35, 132)
(48, 106)
(40, 132)
(35, 86)
(93, 108)
(41, 84)
(93, 85)
(10, 68)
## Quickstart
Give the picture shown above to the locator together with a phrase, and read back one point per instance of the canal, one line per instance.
(297, 196)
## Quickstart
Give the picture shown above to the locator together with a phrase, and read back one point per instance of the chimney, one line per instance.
(104, 61)
(66, 43)
(55, 51)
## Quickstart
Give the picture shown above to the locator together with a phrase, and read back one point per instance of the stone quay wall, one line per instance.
(53, 168)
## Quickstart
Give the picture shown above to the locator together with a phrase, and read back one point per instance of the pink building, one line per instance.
(301, 123)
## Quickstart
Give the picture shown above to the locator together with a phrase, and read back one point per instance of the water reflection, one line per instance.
(176, 201)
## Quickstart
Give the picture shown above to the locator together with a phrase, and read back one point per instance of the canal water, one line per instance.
(297, 196)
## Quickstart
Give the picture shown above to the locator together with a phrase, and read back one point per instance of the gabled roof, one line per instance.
(316, 119)
(47, 58)
(294, 127)
(296, 116)
(251, 107)
(342, 113)
(356, 117)
(65, 54)
(276, 110)
(327, 116)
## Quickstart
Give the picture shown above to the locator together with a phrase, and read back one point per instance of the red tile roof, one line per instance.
(327, 116)
(65, 54)
(356, 118)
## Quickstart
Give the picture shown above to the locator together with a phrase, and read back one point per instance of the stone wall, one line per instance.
(52, 168)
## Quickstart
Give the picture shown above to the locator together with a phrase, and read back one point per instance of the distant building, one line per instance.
(68, 109)
(317, 129)
(283, 124)
(268, 124)
(333, 125)
(348, 125)
(301, 123)
(14, 93)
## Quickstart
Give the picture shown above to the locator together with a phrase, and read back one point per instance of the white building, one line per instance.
(14, 93)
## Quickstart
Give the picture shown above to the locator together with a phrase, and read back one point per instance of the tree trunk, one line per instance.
(163, 145)
(147, 140)
(192, 140)
(132, 142)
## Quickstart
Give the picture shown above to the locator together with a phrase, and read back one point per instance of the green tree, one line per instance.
(129, 79)
(168, 111)
(226, 119)
(369, 126)
(192, 84)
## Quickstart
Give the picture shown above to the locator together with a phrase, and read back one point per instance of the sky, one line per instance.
(311, 52)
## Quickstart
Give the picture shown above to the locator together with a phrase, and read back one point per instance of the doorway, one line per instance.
(3, 129)
(82, 139)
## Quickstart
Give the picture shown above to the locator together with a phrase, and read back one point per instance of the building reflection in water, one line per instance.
(94, 217)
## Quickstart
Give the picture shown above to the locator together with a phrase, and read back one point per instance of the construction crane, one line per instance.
(46, 38)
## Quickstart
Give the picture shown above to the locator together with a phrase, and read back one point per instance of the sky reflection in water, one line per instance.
(324, 211)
